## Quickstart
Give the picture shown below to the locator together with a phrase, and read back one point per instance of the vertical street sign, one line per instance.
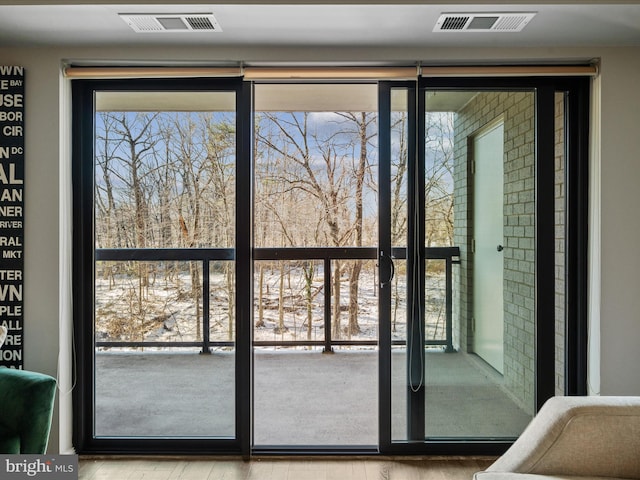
(11, 212)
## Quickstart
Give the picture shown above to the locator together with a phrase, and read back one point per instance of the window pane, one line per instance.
(315, 286)
(164, 187)
(494, 184)
(165, 179)
(470, 369)
(316, 169)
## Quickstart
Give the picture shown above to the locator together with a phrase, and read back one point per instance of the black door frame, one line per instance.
(83, 125)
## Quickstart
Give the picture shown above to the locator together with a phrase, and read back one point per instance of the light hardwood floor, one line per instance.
(269, 468)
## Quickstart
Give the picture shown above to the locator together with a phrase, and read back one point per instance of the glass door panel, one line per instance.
(164, 294)
(463, 362)
(315, 332)
(480, 178)
(400, 150)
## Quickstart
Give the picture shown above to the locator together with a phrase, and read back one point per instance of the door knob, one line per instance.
(500, 248)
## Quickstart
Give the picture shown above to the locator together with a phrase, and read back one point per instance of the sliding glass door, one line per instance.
(392, 267)
(473, 195)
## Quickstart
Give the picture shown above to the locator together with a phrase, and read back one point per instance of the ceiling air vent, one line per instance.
(167, 22)
(483, 22)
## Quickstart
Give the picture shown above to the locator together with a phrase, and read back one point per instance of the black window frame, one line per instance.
(83, 129)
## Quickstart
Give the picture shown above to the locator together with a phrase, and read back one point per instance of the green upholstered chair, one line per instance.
(26, 409)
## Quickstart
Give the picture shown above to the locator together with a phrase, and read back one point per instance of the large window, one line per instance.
(393, 267)
(160, 350)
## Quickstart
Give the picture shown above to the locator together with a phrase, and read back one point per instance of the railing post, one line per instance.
(327, 306)
(205, 308)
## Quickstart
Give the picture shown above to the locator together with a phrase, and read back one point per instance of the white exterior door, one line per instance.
(488, 148)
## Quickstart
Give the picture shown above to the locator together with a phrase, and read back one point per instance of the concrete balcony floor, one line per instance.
(301, 398)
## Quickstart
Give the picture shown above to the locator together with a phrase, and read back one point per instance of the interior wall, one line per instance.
(47, 169)
(620, 223)
(41, 213)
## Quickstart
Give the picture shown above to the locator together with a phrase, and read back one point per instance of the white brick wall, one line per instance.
(517, 109)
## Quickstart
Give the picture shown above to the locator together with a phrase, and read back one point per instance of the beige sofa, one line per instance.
(575, 438)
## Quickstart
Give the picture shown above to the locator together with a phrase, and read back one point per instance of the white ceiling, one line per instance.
(405, 24)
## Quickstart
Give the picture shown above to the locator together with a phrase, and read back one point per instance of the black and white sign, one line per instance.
(11, 212)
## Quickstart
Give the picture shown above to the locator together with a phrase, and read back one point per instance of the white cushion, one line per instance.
(578, 437)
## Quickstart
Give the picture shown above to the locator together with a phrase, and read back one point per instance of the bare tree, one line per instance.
(137, 141)
(329, 166)
(107, 230)
(167, 179)
(399, 164)
(362, 135)
(320, 178)
(221, 161)
(439, 179)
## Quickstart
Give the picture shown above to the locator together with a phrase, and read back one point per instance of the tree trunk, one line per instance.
(354, 277)
(354, 327)
(336, 327)
(308, 276)
(231, 300)
(281, 328)
(196, 290)
(260, 322)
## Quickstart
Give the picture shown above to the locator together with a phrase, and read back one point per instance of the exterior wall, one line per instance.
(517, 109)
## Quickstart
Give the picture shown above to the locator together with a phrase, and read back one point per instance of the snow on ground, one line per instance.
(165, 310)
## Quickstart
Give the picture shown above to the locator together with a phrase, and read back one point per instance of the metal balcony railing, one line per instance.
(204, 256)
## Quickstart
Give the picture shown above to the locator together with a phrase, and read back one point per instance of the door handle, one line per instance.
(500, 248)
(392, 269)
